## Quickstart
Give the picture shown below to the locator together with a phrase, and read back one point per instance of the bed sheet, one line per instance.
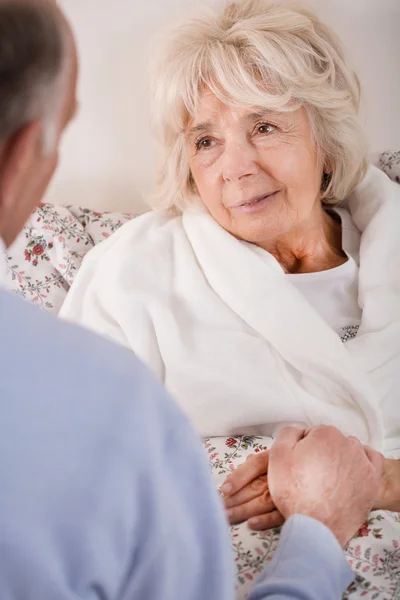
(373, 553)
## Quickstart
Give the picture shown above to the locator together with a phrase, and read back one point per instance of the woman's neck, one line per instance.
(311, 247)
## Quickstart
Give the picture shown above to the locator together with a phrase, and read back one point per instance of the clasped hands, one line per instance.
(317, 472)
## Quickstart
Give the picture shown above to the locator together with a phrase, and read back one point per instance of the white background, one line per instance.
(108, 156)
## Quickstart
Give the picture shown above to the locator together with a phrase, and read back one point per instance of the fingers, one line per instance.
(286, 440)
(307, 431)
(254, 508)
(355, 440)
(266, 521)
(249, 492)
(255, 465)
(289, 437)
(376, 458)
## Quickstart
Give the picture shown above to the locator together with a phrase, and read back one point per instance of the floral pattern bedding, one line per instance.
(45, 258)
(373, 554)
(389, 162)
(42, 264)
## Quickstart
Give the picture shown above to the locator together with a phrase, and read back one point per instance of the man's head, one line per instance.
(38, 76)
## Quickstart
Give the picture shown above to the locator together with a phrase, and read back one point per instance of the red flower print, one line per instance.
(364, 531)
(366, 569)
(27, 255)
(35, 263)
(230, 442)
(38, 250)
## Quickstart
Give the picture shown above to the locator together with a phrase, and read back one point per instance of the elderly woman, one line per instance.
(266, 288)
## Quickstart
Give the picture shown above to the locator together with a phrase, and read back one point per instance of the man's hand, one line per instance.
(247, 497)
(325, 475)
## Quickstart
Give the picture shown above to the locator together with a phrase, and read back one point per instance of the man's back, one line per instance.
(104, 492)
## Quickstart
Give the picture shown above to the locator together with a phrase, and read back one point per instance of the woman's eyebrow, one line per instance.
(250, 116)
(260, 114)
(199, 127)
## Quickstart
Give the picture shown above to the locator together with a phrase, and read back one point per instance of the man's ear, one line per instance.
(17, 157)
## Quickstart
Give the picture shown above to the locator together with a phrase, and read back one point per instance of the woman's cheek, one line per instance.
(209, 158)
(289, 167)
(207, 180)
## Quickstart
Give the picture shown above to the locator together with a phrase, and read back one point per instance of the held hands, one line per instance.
(318, 472)
(247, 497)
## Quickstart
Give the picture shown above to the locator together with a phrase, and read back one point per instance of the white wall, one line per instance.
(108, 155)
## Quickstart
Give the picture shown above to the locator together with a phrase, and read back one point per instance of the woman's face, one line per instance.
(257, 173)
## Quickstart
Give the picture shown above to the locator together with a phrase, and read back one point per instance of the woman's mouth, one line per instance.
(255, 204)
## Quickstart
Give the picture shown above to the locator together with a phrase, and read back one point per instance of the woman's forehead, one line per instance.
(211, 110)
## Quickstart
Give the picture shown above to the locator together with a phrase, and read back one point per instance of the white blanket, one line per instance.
(235, 343)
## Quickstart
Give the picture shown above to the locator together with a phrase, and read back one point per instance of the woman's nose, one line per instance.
(239, 161)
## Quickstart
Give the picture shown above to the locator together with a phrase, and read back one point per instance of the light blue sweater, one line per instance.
(104, 490)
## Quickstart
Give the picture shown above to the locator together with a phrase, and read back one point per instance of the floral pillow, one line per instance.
(389, 162)
(45, 258)
(373, 554)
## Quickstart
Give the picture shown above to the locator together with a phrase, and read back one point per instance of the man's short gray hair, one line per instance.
(32, 56)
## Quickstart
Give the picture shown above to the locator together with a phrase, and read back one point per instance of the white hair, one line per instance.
(265, 54)
(51, 115)
(49, 136)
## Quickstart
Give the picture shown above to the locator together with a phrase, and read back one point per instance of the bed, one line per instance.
(41, 266)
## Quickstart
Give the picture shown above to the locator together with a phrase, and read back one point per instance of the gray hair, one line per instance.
(264, 53)
(32, 57)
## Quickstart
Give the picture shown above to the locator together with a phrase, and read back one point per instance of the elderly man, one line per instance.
(83, 513)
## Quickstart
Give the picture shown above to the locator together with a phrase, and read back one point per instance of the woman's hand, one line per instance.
(246, 495)
(389, 491)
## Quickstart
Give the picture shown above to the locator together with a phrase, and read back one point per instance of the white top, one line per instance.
(229, 334)
(334, 293)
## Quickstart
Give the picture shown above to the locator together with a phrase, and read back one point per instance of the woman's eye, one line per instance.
(204, 144)
(265, 128)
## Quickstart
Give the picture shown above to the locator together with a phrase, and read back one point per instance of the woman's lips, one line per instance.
(256, 204)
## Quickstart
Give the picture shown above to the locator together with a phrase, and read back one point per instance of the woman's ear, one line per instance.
(326, 179)
(327, 168)
(326, 176)
(18, 156)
